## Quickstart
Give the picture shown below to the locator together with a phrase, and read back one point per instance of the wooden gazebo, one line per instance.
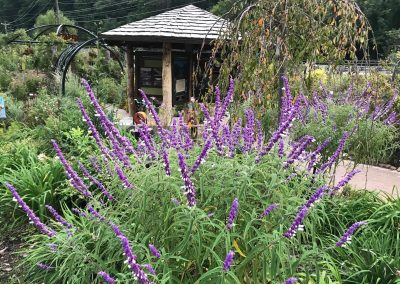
(162, 50)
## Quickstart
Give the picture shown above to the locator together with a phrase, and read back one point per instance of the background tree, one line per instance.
(267, 39)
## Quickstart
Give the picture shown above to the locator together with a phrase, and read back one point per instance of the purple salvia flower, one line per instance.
(228, 261)
(95, 214)
(53, 247)
(95, 181)
(291, 280)
(173, 135)
(278, 133)
(387, 107)
(149, 268)
(95, 134)
(206, 129)
(205, 112)
(138, 273)
(31, 215)
(111, 131)
(184, 130)
(248, 131)
(232, 213)
(147, 140)
(166, 162)
(150, 107)
(58, 217)
(335, 155)
(190, 191)
(226, 135)
(392, 117)
(298, 150)
(79, 212)
(154, 251)
(123, 177)
(44, 266)
(94, 161)
(316, 196)
(202, 157)
(281, 149)
(344, 181)
(313, 155)
(106, 277)
(268, 210)
(71, 174)
(346, 238)
(235, 137)
(227, 101)
(297, 224)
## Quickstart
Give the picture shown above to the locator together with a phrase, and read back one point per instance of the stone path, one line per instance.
(371, 178)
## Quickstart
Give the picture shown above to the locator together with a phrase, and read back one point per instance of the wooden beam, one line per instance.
(167, 83)
(131, 80)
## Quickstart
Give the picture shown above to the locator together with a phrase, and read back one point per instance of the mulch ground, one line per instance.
(11, 242)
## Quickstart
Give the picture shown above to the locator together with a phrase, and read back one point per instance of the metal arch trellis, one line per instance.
(68, 54)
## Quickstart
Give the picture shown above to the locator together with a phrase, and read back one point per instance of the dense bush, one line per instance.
(201, 205)
(373, 125)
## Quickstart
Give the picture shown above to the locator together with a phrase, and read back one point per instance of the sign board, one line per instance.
(2, 108)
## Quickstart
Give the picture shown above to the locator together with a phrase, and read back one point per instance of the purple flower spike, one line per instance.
(202, 157)
(71, 174)
(268, 210)
(291, 280)
(58, 217)
(344, 181)
(154, 251)
(123, 178)
(31, 215)
(235, 137)
(119, 143)
(335, 155)
(149, 268)
(232, 213)
(95, 214)
(95, 181)
(190, 191)
(346, 238)
(150, 107)
(297, 224)
(248, 131)
(137, 271)
(228, 261)
(44, 266)
(166, 162)
(106, 277)
(313, 155)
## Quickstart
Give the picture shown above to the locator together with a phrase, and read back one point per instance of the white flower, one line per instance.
(42, 157)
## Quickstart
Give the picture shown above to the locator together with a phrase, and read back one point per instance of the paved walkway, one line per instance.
(371, 178)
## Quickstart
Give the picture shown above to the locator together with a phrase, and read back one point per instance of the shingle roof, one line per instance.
(187, 24)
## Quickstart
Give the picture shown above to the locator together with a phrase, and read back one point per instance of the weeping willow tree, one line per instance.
(269, 38)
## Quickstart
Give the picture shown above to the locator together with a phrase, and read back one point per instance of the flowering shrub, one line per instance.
(371, 125)
(230, 209)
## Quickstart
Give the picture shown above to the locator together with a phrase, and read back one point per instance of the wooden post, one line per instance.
(167, 83)
(131, 81)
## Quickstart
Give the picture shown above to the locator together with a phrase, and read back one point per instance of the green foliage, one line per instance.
(50, 18)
